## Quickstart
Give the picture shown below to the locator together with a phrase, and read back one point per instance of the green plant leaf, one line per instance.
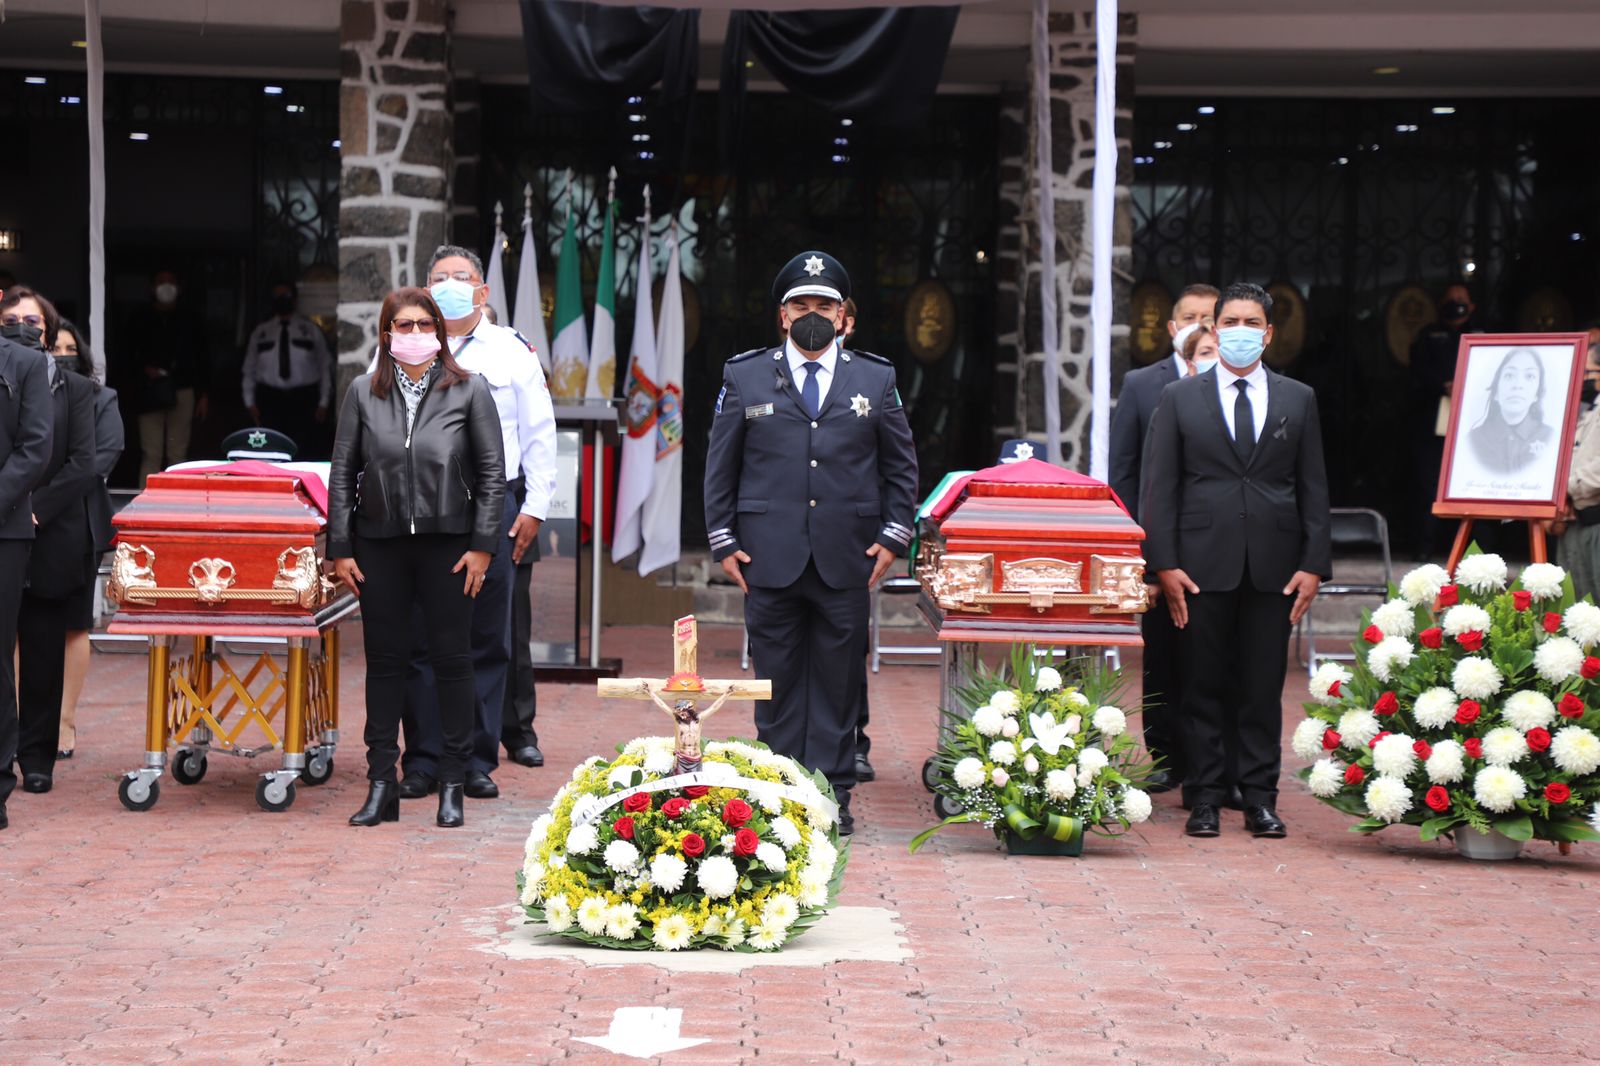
(924, 836)
(1431, 829)
(1518, 828)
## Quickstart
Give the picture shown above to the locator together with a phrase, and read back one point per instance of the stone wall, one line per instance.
(1009, 266)
(396, 126)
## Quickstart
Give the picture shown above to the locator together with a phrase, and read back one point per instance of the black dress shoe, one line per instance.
(417, 784)
(528, 756)
(1264, 822)
(37, 782)
(847, 821)
(64, 753)
(1204, 821)
(5, 820)
(864, 770)
(383, 804)
(480, 786)
(1235, 799)
(451, 813)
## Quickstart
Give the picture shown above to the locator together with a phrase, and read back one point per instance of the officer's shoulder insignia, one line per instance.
(746, 355)
(720, 397)
(873, 356)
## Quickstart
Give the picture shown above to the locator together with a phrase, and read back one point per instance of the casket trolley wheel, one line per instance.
(273, 794)
(188, 766)
(138, 794)
(319, 766)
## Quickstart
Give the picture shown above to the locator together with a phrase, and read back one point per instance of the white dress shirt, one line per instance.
(1256, 381)
(309, 361)
(827, 360)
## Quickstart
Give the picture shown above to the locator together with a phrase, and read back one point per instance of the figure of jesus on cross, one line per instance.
(686, 687)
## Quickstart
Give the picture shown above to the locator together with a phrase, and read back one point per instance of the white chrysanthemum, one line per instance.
(718, 876)
(999, 778)
(537, 835)
(672, 933)
(1326, 778)
(1077, 699)
(786, 831)
(1543, 580)
(1421, 586)
(1003, 752)
(1005, 701)
(1307, 740)
(621, 776)
(1093, 760)
(533, 875)
(987, 721)
(1110, 721)
(1558, 658)
(1061, 785)
(530, 893)
(592, 915)
(968, 773)
(1583, 623)
(1393, 756)
(658, 762)
(768, 936)
(1389, 656)
(582, 839)
(1357, 727)
(1575, 750)
(1388, 798)
(781, 908)
(1030, 764)
(1482, 573)
(772, 857)
(584, 807)
(1048, 679)
(622, 921)
(1465, 618)
(767, 795)
(813, 890)
(1397, 618)
(1476, 678)
(1447, 764)
(1009, 728)
(1323, 679)
(668, 872)
(621, 855)
(821, 857)
(558, 914)
(1503, 746)
(1529, 710)
(1135, 805)
(1497, 788)
(1435, 708)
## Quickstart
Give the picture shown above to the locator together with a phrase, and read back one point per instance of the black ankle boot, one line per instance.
(450, 812)
(383, 804)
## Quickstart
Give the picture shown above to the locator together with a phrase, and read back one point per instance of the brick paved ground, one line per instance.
(208, 930)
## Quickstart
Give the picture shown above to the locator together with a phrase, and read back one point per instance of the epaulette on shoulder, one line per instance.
(742, 356)
(873, 356)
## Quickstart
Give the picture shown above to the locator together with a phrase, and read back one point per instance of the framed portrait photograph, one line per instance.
(1508, 441)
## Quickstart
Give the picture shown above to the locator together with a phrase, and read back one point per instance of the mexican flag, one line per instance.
(603, 348)
(570, 350)
(639, 446)
(665, 504)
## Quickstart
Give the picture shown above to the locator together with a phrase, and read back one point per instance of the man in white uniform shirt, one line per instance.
(287, 376)
(527, 422)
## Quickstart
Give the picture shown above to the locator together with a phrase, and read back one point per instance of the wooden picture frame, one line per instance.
(1508, 466)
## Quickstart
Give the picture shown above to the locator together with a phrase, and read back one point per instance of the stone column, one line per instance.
(396, 127)
(1072, 121)
(467, 228)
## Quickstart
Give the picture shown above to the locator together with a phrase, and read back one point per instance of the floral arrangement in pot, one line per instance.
(743, 854)
(1472, 709)
(1041, 759)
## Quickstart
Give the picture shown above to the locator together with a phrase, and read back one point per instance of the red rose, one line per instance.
(1437, 798)
(745, 843)
(1521, 599)
(1374, 741)
(623, 827)
(1333, 689)
(1590, 668)
(1556, 792)
(736, 812)
(1431, 638)
(694, 845)
(1388, 703)
(1422, 748)
(1538, 739)
(1372, 634)
(637, 803)
(694, 792)
(1354, 775)
(1467, 711)
(674, 806)
(1473, 746)
(1472, 641)
(1449, 596)
(1330, 740)
(1552, 622)
(1570, 706)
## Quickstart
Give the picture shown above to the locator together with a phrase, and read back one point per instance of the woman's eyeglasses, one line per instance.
(406, 325)
(36, 321)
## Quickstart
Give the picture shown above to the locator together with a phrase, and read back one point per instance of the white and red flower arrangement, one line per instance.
(1473, 703)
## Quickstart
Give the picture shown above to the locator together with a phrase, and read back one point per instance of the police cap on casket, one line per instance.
(812, 274)
(259, 442)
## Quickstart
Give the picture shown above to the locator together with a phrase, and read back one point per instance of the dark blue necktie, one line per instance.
(810, 395)
(1244, 421)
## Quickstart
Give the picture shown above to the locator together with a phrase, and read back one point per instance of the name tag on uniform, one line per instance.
(760, 410)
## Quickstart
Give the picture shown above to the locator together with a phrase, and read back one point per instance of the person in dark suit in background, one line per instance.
(811, 467)
(1235, 512)
(1141, 389)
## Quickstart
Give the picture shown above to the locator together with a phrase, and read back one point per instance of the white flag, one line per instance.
(496, 261)
(665, 505)
(527, 315)
(639, 446)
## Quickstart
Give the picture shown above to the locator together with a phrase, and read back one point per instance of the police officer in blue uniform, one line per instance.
(810, 494)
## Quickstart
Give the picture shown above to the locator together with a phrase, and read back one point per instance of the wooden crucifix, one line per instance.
(684, 687)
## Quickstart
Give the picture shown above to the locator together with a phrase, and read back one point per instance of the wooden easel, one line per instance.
(1537, 551)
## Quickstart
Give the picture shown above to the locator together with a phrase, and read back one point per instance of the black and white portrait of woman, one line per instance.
(1511, 402)
(1512, 432)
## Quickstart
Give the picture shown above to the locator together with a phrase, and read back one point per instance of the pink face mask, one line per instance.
(414, 349)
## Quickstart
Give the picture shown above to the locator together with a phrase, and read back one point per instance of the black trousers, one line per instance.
(13, 569)
(522, 702)
(406, 575)
(864, 742)
(1234, 651)
(42, 624)
(488, 633)
(811, 641)
(1163, 684)
(292, 412)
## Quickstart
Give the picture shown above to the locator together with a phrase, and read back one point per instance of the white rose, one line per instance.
(968, 773)
(1110, 721)
(1047, 680)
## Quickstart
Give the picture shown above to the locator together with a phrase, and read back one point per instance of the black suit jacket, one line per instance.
(25, 434)
(1225, 520)
(1141, 391)
(61, 502)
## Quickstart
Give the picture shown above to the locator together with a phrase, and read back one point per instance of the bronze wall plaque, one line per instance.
(930, 320)
(1411, 308)
(1148, 310)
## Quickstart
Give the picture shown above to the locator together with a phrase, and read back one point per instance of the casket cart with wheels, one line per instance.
(207, 563)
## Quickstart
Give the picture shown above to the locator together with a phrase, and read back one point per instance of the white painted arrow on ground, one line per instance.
(643, 1032)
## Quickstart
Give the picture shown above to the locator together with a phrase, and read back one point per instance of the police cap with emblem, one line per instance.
(812, 274)
(259, 442)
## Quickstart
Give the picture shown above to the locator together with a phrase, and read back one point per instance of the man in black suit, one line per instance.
(1141, 390)
(1235, 513)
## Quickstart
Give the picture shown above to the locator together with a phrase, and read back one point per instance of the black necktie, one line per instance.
(283, 352)
(1244, 421)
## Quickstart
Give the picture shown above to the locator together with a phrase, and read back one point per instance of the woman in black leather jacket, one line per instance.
(414, 509)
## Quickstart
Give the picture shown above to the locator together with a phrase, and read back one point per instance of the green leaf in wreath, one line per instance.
(1431, 829)
(927, 834)
(1567, 829)
(1518, 828)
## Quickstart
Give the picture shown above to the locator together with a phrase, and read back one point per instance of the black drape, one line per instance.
(585, 57)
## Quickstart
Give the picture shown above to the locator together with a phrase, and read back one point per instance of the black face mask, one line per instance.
(1454, 311)
(283, 305)
(66, 363)
(1590, 390)
(811, 332)
(24, 334)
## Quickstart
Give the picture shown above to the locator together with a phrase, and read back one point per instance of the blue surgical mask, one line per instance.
(454, 299)
(1241, 346)
(1202, 365)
